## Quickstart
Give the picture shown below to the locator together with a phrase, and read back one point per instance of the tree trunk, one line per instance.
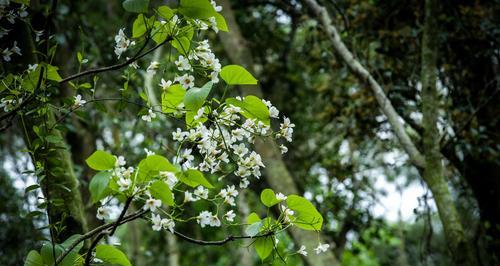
(278, 176)
(60, 182)
(433, 173)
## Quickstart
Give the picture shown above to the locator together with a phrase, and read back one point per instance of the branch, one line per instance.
(97, 230)
(220, 242)
(362, 73)
(117, 66)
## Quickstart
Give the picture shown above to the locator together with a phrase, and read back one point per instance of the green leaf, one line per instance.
(160, 190)
(166, 12)
(252, 107)
(101, 160)
(194, 178)
(139, 27)
(253, 229)
(237, 75)
(98, 186)
(30, 188)
(195, 97)
(152, 165)
(47, 252)
(264, 247)
(181, 44)
(253, 218)
(136, 6)
(52, 73)
(197, 9)
(306, 215)
(34, 259)
(268, 197)
(221, 22)
(171, 98)
(112, 255)
(160, 32)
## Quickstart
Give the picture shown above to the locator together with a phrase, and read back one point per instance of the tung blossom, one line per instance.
(152, 204)
(302, 251)
(78, 101)
(321, 248)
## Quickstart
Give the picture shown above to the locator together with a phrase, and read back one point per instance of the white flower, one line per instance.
(204, 218)
(165, 84)
(321, 248)
(214, 76)
(273, 112)
(230, 216)
(153, 66)
(201, 192)
(187, 81)
(283, 149)
(286, 129)
(121, 43)
(240, 149)
(38, 34)
(124, 183)
(213, 24)
(214, 221)
(79, 101)
(244, 183)
(149, 116)
(16, 49)
(168, 224)
(22, 11)
(183, 63)
(6, 54)
(280, 196)
(302, 251)
(156, 219)
(199, 114)
(120, 161)
(216, 7)
(32, 68)
(188, 197)
(133, 64)
(287, 214)
(148, 152)
(103, 213)
(178, 135)
(152, 204)
(171, 178)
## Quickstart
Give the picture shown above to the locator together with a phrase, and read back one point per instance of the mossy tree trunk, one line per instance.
(433, 173)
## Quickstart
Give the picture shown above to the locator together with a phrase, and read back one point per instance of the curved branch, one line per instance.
(220, 242)
(117, 66)
(362, 73)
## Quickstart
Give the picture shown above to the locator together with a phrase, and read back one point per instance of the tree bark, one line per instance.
(278, 176)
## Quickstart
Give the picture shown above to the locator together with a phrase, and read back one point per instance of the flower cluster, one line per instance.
(122, 43)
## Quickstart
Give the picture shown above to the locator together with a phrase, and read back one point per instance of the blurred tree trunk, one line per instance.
(278, 176)
(433, 173)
